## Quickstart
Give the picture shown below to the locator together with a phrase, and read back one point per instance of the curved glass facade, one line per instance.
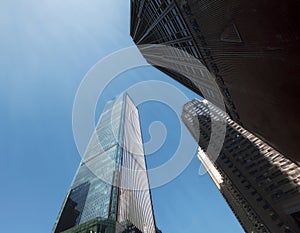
(111, 182)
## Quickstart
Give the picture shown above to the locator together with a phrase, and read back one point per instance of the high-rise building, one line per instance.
(261, 186)
(251, 48)
(110, 192)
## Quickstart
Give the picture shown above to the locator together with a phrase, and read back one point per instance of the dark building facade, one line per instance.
(251, 48)
(110, 192)
(261, 186)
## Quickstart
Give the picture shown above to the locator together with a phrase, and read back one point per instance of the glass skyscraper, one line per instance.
(249, 47)
(110, 192)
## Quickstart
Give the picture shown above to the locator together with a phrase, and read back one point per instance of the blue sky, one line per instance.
(46, 48)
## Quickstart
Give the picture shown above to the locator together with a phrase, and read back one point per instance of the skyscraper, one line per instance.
(110, 192)
(250, 47)
(261, 186)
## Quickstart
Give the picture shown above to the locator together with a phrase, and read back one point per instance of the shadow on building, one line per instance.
(251, 48)
(260, 185)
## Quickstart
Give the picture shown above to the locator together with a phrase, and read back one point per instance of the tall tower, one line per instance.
(251, 48)
(110, 192)
(261, 186)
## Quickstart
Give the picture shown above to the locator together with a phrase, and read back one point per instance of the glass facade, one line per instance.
(160, 22)
(245, 63)
(113, 165)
